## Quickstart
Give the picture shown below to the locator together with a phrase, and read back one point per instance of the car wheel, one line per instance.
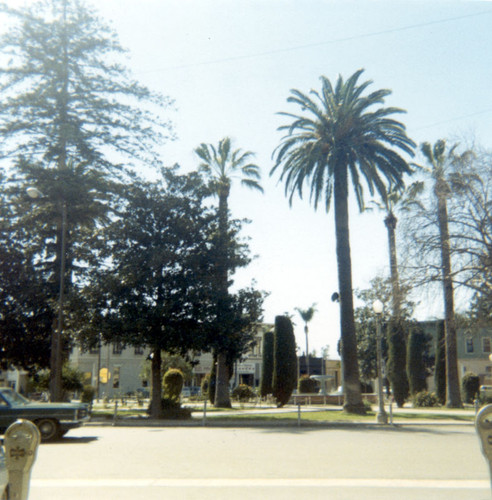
(48, 428)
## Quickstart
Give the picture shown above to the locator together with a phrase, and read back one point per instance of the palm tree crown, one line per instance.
(222, 164)
(341, 132)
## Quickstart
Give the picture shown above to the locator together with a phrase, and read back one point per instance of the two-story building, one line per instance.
(116, 370)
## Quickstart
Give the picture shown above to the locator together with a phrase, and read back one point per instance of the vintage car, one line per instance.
(53, 419)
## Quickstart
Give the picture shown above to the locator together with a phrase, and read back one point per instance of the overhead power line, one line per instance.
(317, 44)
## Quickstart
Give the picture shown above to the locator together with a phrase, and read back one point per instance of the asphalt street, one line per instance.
(407, 462)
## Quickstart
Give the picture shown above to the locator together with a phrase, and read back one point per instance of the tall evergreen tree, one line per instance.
(65, 102)
(342, 135)
(65, 96)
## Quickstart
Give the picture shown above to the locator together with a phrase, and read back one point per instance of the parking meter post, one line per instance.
(3, 474)
(21, 444)
(204, 412)
(483, 425)
(115, 415)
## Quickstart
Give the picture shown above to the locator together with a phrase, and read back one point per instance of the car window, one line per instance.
(13, 398)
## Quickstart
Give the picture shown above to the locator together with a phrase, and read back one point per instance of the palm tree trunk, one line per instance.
(453, 396)
(222, 396)
(397, 362)
(307, 350)
(351, 380)
(390, 223)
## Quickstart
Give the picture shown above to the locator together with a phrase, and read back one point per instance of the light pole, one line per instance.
(377, 307)
(56, 336)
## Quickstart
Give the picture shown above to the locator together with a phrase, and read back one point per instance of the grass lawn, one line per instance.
(331, 415)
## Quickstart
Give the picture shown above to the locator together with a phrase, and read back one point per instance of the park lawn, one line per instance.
(340, 416)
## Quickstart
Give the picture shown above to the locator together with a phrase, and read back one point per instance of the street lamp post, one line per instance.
(56, 336)
(382, 417)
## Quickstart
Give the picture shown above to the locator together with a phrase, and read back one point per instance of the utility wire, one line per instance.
(316, 44)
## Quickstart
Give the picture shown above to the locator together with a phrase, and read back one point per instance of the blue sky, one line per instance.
(229, 65)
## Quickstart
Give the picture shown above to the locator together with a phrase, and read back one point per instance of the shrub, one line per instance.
(171, 409)
(173, 383)
(88, 393)
(425, 399)
(470, 385)
(243, 392)
(307, 385)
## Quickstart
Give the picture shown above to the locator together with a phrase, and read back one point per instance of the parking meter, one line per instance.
(4, 479)
(21, 443)
(483, 424)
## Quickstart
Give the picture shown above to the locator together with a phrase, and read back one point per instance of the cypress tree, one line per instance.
(267, 365)
(415, 362)
(285, 360)
(440, 370)
(397, 358)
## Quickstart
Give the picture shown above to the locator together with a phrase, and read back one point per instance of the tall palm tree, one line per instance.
(222, 165)
(439, 158)
(307, 316)
(342, 135)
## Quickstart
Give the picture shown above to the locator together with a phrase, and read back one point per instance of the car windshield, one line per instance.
(13, 397)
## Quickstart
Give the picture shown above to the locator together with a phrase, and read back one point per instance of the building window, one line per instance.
(138, 351)
(117, 348)
(469, 345)
(94, 350)
(116, 377)
(486, 344)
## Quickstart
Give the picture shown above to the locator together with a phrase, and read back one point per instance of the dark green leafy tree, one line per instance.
(31, 228)
(221, 165)
(284, 360)
(267, 365)
(155, 290)
(343, 134)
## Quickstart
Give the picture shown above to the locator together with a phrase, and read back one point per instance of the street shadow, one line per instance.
(74, 440)
(395, 428)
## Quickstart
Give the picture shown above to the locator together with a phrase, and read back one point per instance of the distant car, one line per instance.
(486, 391)
(186, 392)
(143, 392)
(52, 419)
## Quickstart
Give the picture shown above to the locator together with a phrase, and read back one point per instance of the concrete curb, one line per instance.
(245, 423)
